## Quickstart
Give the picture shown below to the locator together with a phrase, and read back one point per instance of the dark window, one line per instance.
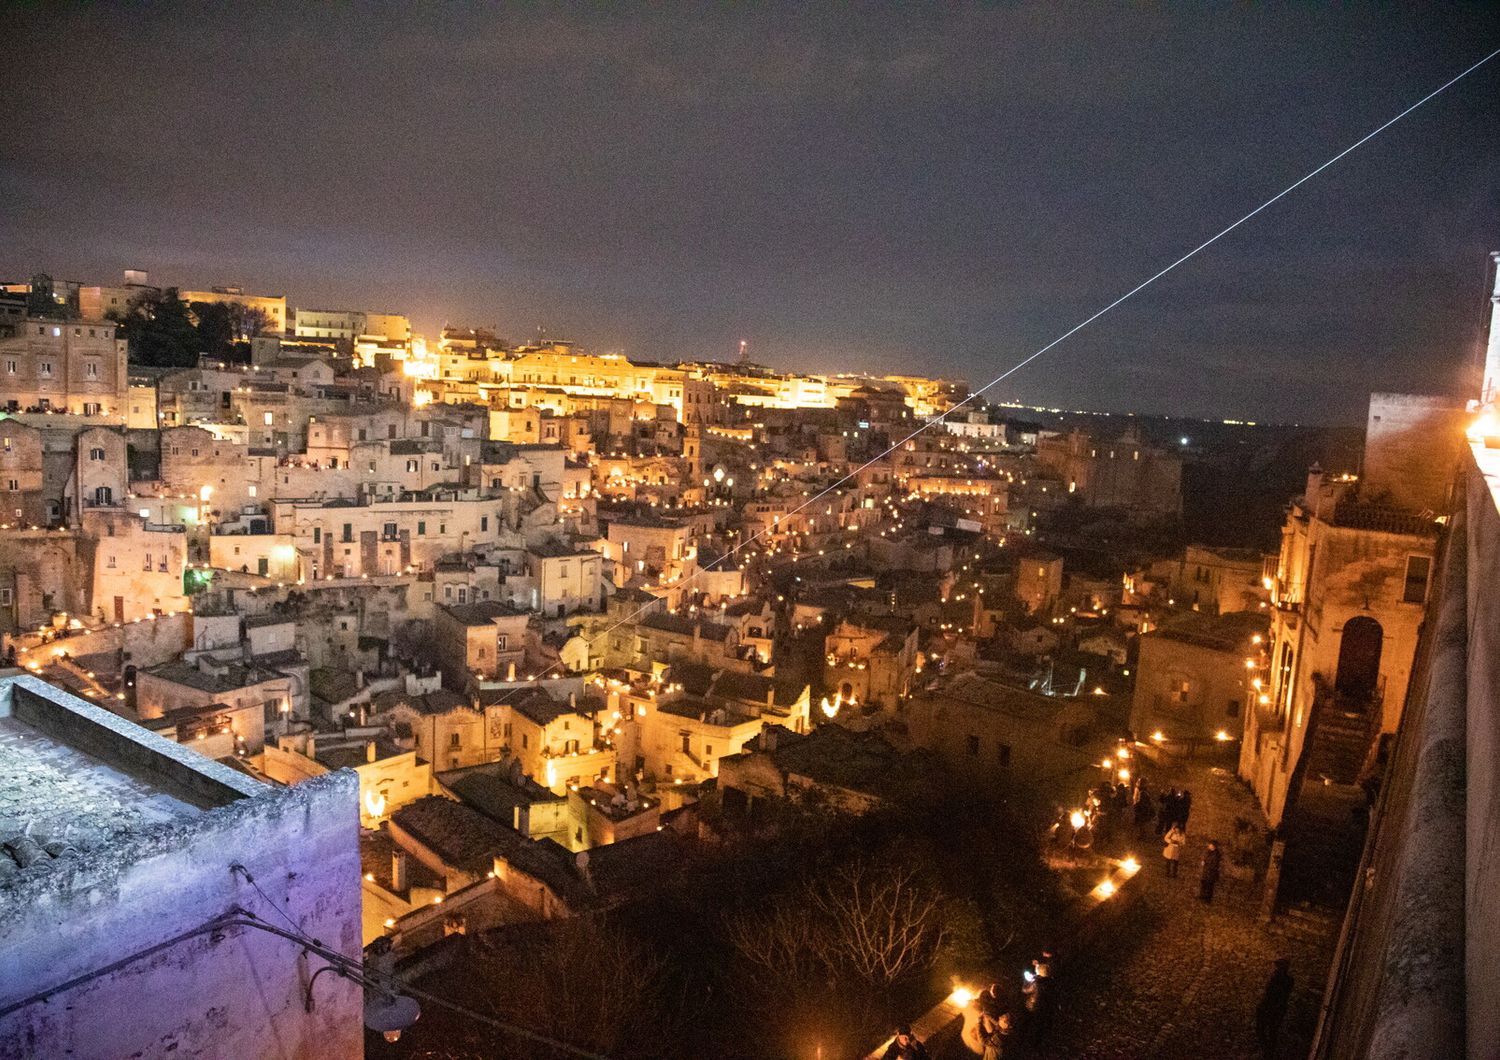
(971, 744)
(1418, 569)
(1005, 755)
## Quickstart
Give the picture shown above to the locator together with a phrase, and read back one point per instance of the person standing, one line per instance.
(993, 1030)
(1166, 814)
(1038, 1001)
(1184, 807)
(1213, 862)
(1271, 1011)
(1172, 852)
(1145, 807)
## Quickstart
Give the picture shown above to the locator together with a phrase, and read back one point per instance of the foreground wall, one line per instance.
(1414, 977)
(239, 992)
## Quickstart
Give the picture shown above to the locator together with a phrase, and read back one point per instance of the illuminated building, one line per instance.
(273, 306)
(75, 367)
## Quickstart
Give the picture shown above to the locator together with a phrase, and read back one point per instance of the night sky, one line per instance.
(873, 188)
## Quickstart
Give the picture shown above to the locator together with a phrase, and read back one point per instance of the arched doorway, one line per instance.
(1359, 657)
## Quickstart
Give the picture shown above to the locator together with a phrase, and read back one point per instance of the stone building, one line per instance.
(1125, 472)
(1192, 681)
(1346, 606)
(125, 876)
(483, 640)
(273, 306)
(23, 496)
(137, 566)
(72, 366)
(995, 734)
(871, 660)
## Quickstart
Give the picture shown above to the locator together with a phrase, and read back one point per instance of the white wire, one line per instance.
(589, 642)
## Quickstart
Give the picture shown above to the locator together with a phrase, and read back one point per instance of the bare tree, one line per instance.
(884, 921)
(876, 921)
(581, 981)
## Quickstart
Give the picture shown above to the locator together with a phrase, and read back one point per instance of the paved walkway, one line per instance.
(1184, 979)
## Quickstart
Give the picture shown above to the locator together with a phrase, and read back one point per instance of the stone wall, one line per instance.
(1482, 765)
(1411, 445)
(126, 916)
(146, 641)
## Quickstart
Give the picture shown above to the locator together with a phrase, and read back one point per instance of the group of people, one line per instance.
(1173, 807)
(1002, 1017)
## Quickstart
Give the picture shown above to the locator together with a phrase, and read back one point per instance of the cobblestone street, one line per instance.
(1184, 980)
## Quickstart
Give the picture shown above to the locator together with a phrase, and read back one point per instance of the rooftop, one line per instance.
(78, 777)
(495, 789)
(1228, 632)
(482, 613)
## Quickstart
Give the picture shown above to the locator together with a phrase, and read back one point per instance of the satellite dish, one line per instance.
(582, 861)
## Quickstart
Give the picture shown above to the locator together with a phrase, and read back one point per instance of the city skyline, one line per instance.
(740, 532)
(844, 198)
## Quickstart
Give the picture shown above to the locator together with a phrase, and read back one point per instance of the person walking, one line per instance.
(1271, 1011)
(1213, 862)
(906, 1046)
(1172, 852)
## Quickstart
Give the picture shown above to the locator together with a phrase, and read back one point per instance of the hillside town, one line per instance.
(565, 632)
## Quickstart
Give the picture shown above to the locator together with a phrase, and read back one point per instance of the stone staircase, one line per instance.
(1311, 923)
(1325, 835)
(1340, 742)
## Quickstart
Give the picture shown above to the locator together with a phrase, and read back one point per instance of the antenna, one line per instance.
(744, 352)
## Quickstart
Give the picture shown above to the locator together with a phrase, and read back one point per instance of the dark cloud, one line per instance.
(845, 187)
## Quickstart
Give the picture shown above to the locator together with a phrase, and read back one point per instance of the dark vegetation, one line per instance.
(822, 931)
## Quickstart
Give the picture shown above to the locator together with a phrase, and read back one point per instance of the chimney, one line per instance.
(370, 751)
(399, 881)
(1314, 486)
(768, 738)
(573, 700)
(510, 671)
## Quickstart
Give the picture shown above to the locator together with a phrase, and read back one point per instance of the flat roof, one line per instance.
(78, 777)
